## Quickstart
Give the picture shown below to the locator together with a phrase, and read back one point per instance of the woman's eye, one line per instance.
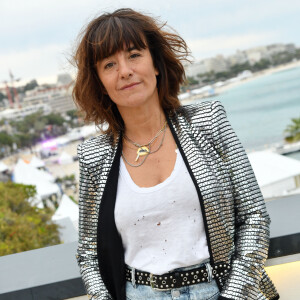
(108, 65)
(134, 55)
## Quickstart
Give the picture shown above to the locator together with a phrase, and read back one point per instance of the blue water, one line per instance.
(261, 109)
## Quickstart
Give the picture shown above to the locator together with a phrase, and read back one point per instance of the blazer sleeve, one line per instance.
(252, 222)
(86, 253)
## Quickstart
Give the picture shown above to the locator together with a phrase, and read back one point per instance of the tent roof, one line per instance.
(66, 208)
(65, 158)
(270, 167)
(36, 162)
(3, 167)
(26, 174)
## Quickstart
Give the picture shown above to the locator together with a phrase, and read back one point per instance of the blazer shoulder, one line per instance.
(94, 149)
(195, 110)
(198, 114)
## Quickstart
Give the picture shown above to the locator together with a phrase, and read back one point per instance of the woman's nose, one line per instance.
(125, 70)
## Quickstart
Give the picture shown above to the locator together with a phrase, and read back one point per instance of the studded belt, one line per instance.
(178, 279)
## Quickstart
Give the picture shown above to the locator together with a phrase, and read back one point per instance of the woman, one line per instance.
(169, 205)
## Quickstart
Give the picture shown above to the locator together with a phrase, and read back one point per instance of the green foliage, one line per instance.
(73, 114)
(2, 96)
(238, 68)
(23, 226)
(54, 119)
(222, 75)
(33, 128)
(29, 122)
(293, 131)
(282, 58)
(24, 139)
(31, 85)
(261, 65)
(65, 178)
(5, 139)
(191, 80)
(207, 77)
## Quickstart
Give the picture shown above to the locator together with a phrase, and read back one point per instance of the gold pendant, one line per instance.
(142, 151)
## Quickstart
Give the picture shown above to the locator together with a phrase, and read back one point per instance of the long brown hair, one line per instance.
(107, 34)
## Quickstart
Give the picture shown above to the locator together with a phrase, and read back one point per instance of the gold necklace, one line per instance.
(145, 148)
(150, 152)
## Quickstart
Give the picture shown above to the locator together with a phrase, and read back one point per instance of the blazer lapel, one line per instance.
(202, 162)
(110, 248)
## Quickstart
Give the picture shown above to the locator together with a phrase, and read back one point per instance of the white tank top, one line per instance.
(161, 226)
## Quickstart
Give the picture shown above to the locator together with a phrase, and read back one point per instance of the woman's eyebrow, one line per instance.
(131, 48)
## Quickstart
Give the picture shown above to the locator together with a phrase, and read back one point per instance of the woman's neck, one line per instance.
(142, 123)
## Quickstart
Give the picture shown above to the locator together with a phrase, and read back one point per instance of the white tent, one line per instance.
(3, 167)
(88, 130)
(184, 96)
(67, 208)
(36, 162)
(276, 174)
(65, 158)
(62, 140)
(219, 83)
(67, 232)
(26, 174)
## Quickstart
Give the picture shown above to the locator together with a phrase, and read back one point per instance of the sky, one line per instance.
(37, 37)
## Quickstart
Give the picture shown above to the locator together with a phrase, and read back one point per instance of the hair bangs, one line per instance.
(114, 35)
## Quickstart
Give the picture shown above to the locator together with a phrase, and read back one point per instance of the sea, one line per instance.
(261, 109)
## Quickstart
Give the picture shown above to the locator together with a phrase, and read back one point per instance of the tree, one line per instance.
(293, 131)
(54, 119)
(261, 65)
(282, 58)
(191, 80)
(238, 68)
(5, 139)
(24, 226)
(73, 114)
(24, 139)
(30, 85)
(2, 96)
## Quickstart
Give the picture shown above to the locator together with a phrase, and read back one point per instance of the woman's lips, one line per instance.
(128, 86)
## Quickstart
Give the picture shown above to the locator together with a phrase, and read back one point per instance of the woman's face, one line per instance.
(129, 77)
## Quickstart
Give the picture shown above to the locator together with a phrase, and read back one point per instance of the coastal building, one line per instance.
(36, 96)
(214, 64)
(279, 48)
(253, 55)
(291, 48)
(18, 114)
(58, 98)
(62, 101)
(256, 54)
(237, 59)
(196, 68)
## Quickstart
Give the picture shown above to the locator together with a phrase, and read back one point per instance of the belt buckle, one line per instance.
(152, 282)
(209, 272)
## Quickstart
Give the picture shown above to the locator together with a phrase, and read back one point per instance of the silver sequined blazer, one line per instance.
(233, 209)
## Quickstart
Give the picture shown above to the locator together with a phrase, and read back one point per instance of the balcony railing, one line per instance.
(52, 272)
